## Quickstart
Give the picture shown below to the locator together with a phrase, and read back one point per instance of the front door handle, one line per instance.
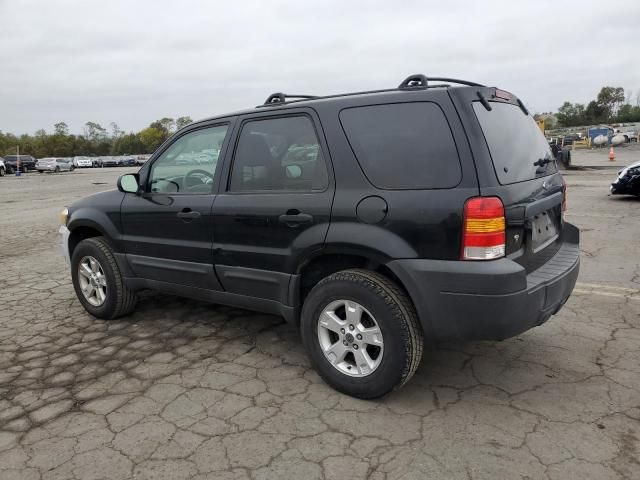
(187, 214)
(293, 218)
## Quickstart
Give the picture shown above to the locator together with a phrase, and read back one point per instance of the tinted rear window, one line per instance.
(515, 143)
(403, 145)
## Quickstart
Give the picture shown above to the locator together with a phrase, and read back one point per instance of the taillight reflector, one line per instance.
(483, 236)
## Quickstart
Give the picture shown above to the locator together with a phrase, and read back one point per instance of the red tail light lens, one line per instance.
(483, 236)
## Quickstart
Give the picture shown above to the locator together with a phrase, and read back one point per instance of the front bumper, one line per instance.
(64, 242)
(492, 300)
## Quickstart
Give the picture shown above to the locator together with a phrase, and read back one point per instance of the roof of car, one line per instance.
(412, 83)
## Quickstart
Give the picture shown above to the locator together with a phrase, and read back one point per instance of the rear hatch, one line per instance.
(525, 177)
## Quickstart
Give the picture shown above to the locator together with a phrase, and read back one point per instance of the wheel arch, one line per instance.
(82, 227)
(333, 259)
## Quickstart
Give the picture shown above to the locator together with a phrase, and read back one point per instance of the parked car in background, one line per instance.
(27, 162)
(110, 162)
(3, 168)
(141, 159)
(628, 181)
(55, 165)
(128, 162)
(82, 162)
(628, 135)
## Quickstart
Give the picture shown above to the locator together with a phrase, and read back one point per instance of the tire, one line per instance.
(119, 300)
(40, 171)
(72, 168)
(395, 316)
(56, 170)
(2, 172)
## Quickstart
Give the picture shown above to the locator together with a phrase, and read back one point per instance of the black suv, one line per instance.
(373, 220)
(27, 162)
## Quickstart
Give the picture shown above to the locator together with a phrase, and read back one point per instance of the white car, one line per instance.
(54, 165)
(3, 169)
(80, 162)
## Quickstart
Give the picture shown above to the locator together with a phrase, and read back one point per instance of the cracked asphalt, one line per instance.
(182, 389)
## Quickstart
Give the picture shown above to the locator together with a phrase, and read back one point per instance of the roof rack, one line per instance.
(420, 81)
(412, 82)
(280, 97)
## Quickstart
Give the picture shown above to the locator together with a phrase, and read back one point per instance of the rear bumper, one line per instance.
(491, 300)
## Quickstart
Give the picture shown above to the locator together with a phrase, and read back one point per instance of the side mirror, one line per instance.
(128, 183)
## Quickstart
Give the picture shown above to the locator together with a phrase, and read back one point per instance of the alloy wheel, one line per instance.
(350, 338)
(92, 280)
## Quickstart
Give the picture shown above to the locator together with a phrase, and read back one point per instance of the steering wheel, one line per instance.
(187, 184)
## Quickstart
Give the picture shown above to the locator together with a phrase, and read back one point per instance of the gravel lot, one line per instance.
(183, 389)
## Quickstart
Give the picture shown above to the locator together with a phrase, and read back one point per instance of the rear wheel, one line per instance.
(361, 332)
(2, 172)
(98, 282)
(57, 170)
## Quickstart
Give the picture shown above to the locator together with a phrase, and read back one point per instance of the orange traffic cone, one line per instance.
(612, 155)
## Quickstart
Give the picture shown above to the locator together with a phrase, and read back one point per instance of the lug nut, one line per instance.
(359, 337)
(351, 327)
(355, 347)
(342, 330)
(345, 343)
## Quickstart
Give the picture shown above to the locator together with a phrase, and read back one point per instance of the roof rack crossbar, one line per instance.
(456, 80)
(280, 97)
(420, 81)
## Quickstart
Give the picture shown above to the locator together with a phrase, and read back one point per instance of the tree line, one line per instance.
(610, 106)
(95, 140)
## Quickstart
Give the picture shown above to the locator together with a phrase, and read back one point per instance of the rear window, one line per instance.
(403, 145)
(518, 148)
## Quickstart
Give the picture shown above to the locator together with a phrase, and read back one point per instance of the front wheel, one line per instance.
(361, 333)
(2, 171)
(98, 282)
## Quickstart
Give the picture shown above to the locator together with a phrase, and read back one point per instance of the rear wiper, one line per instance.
(541, 162)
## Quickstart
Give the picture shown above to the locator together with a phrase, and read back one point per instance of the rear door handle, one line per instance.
(295, 219)
(187, 214)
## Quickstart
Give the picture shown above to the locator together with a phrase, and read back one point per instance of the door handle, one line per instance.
(187, 214)
(291, 219)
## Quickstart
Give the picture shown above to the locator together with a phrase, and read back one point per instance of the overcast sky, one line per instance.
(133, 62)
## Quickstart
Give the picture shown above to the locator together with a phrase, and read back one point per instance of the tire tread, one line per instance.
(402, 307)
(125, 297)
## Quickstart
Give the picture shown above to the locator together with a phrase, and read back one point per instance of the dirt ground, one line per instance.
(182, 389)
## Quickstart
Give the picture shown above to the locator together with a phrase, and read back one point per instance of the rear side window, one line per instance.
(279, 154)
(403, 145)
(518, 148)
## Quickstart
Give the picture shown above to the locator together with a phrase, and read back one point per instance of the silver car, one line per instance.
(54, 165)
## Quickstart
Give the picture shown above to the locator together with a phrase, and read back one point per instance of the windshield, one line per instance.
(518, 148)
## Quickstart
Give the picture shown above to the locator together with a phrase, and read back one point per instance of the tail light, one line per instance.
(483, 236)
(564, 195)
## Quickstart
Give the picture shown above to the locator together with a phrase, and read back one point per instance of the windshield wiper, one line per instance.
(541, 162)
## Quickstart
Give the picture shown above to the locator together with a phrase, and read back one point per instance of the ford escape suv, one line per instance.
(373, 220)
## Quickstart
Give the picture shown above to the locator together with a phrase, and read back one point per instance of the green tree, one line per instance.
(571, 114)
(61, 128)
(609, 100)
(182, 122)
(152, 137)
